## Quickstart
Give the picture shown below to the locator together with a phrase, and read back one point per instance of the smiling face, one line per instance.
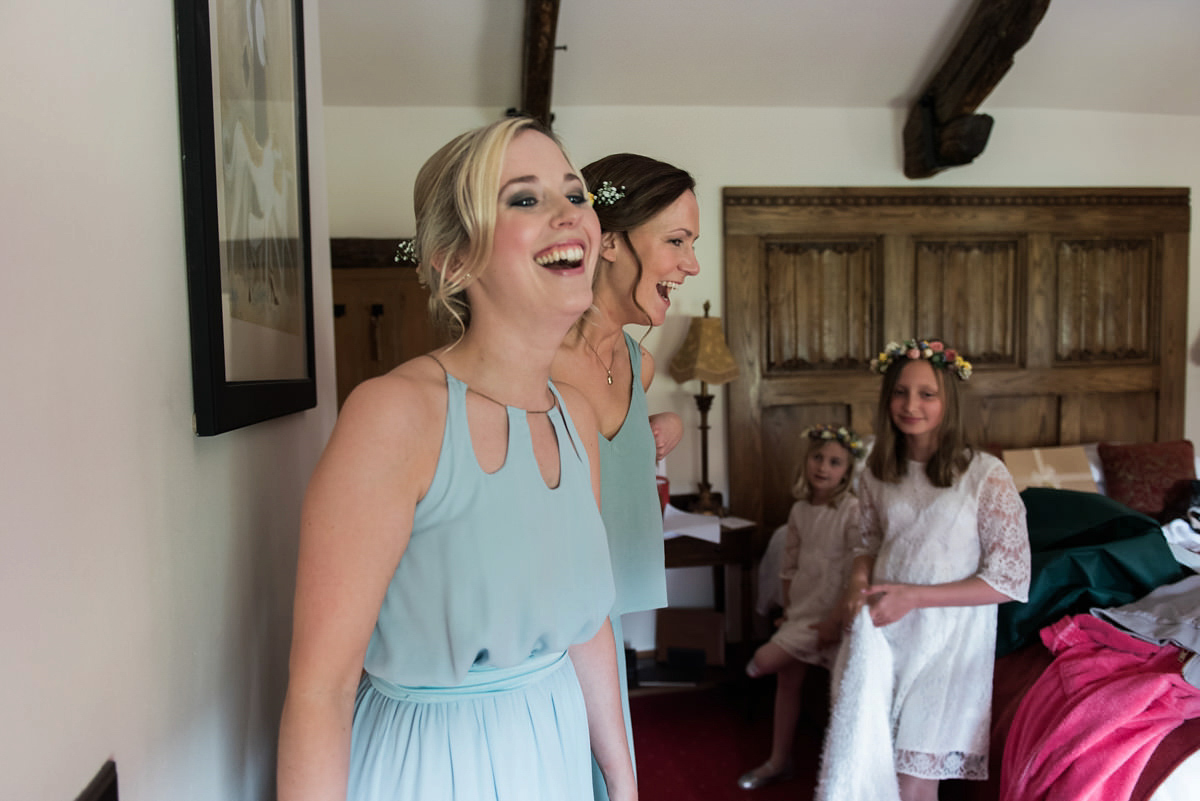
(917, 407)
(546, 236)
(665, 245)
(825, 469)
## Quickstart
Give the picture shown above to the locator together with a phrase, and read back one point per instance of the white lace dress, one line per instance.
(943, 656)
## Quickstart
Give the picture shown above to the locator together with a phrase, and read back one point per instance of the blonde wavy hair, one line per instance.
(455, 198)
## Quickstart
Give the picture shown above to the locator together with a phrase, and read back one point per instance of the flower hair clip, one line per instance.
(839, 434)
(606, 194)
(934, 351)
(406, 252)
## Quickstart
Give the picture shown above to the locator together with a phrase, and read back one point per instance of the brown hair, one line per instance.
(802, 491)
(649, 187)
(455, 198)
(888, 459)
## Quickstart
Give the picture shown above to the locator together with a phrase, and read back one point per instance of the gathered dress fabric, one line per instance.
(943, 656)
(468, 692)
(633, 519)
(817, 552)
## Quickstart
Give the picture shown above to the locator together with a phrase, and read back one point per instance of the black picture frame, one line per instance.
(243, 131)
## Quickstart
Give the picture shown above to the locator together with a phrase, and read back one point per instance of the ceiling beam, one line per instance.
(942, 129)
(541, 23)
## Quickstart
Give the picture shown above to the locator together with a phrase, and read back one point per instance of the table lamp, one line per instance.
(704, 355)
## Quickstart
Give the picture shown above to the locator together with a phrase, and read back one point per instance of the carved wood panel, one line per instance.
(1071, 303)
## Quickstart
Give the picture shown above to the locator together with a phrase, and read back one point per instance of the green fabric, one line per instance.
(1087, 550)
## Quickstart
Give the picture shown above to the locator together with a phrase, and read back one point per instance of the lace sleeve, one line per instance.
(869, 526)
(791, 550)
(1003, 536)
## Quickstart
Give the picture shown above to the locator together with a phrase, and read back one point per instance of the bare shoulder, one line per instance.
(393, 422)
(647, 368)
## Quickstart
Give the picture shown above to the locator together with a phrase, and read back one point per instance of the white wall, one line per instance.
(145, 574)
(373, 155)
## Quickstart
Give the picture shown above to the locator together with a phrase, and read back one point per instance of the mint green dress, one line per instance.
(468, 692)
(634, 522)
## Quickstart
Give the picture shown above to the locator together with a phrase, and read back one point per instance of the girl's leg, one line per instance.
(915, 789)
(768, 659)
(783, 729)
(787, 713)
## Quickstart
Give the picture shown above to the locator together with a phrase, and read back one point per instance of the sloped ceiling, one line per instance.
(1138, 56)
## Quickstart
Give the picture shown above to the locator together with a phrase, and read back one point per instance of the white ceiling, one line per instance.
(1140, 56)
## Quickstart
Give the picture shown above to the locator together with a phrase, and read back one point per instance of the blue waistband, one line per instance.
(478, 681)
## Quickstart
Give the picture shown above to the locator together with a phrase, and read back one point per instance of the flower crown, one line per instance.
(606, 194)
(840, 434)
(935, 351)
(406, 252)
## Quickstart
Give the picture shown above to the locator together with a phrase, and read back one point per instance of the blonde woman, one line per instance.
(451, 637)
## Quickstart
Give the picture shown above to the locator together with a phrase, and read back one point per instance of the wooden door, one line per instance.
(381, 312)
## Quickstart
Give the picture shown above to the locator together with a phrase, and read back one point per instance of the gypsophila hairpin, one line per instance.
(607, 194)
(840, 434)
(406, 252)
(932, 350)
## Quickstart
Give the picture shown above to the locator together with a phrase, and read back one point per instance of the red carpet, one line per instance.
(693, 745)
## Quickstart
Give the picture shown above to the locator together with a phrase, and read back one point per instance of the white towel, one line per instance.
(857, 763)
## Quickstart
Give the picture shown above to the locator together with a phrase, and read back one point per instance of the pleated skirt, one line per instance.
(511, 734)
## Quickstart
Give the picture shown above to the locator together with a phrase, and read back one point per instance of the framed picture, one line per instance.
(246, 215)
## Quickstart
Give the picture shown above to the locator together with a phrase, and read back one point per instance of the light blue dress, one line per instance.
(468, 693)
(634, 522)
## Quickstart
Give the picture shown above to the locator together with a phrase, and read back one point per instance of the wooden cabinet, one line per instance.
(380, 311)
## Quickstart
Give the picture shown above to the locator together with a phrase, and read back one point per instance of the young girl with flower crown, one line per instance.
(944, 541)
(822, 529)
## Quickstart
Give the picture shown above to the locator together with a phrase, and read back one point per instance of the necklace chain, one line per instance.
(608, 368)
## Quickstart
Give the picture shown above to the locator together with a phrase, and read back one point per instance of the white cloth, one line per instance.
(856, 763)
(816, 559)
(943, 656)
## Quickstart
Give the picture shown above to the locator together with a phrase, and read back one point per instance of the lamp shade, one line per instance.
(704, 354)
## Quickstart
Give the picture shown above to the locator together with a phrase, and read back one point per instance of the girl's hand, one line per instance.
(851, 603)
(890, 602)
(829, 630)
(668, 431)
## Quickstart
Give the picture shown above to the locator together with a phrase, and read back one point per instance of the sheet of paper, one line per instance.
(677, 523)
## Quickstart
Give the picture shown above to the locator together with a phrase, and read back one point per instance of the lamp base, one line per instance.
(707, 502)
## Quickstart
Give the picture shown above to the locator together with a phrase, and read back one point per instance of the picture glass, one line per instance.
(262, 259)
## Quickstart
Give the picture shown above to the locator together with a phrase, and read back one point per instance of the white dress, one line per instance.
(816, 557)
(943, 656)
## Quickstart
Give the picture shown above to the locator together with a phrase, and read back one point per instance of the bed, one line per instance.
(1069, 302)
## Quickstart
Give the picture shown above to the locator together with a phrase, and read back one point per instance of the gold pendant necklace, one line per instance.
(608, 369)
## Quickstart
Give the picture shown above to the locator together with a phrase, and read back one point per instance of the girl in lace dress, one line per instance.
(943, 542)
(822, 529)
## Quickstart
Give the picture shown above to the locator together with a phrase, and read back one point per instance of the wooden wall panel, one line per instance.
(1117, 417)
(954, 276)
(1106, 300)
(818, 299)
(1071, 303)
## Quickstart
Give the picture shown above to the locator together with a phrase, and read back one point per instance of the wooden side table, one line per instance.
(735, 548)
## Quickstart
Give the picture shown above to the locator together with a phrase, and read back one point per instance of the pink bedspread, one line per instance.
(1087, 727)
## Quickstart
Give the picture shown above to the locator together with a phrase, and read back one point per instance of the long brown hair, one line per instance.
(888, 459)
(649, 186)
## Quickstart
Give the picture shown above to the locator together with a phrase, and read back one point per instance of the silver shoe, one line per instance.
(764, 775)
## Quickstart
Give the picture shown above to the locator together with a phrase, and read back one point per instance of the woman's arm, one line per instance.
(595, 664)
(595, 661)
(355, 524)
(667, 426)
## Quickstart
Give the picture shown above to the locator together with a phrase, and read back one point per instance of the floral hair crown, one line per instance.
(607, 194)
(840, 434)
(933, 350)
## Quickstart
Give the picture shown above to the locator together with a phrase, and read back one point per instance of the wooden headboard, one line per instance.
(1070, 303)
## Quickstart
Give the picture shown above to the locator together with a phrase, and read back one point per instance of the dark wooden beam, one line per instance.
(942, 129)
(541, 23)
